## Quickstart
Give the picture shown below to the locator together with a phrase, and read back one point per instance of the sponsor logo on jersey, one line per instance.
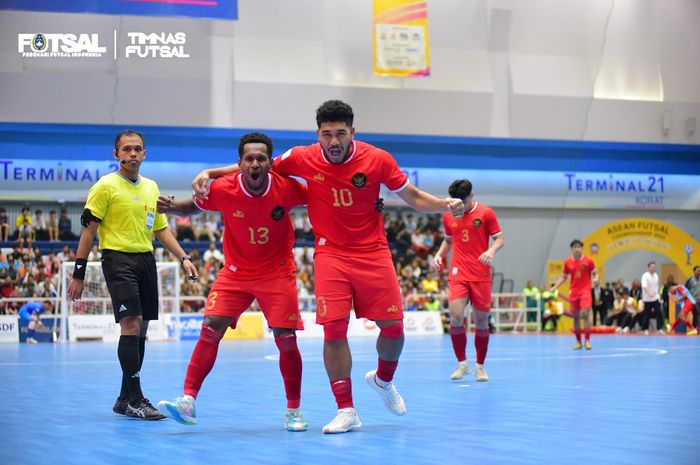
(238, 214)
(392, 309)
(477, 222)
(319, 177)
(359, 180)
(277, 213)
(321, 308)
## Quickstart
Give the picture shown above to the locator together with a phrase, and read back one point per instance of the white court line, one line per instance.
(369, 356)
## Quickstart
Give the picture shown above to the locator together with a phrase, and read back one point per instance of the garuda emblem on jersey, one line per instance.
(359, 180)
(477, 222)
(277, 213)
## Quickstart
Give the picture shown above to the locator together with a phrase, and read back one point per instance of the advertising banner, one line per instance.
(401, 38)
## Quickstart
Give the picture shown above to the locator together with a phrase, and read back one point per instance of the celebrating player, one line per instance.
(258, 241)
(353, 265)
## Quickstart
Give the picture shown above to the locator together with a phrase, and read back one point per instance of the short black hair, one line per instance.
(334, 111)
(576, 242)
(651, 263)
(695, 268)
(255, 138)
(128, 132)
(460, 189)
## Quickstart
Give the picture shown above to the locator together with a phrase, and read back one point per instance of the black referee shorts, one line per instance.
(132, 280)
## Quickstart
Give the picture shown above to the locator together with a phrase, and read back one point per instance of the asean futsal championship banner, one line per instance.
(401, 38)
(215, 9)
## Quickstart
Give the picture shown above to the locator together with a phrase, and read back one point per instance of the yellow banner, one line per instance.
(401, 38)
(645, 234)
(250, 326)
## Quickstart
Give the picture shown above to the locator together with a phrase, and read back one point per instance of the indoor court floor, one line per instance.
(630, 400)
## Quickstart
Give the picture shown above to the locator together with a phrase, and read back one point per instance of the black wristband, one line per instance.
(80, 267)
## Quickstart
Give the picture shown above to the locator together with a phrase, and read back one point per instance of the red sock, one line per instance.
(481, 343)
(578, 335)
(290, 367)
(202, 360)
(342, 390)
(587, 333)
(386, 369)
(458, 334)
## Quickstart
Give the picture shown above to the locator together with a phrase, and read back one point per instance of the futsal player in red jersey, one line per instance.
(581, 269)
(259, 264)
(352, 262)
(469, 275)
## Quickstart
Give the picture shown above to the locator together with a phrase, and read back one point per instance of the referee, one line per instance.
(121, 206)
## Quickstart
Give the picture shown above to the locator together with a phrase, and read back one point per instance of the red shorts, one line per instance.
(580, 302)
(230, 297)
(687, 307)
(476, 292)
(366, 283)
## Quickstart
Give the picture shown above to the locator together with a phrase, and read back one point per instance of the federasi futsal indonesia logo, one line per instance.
(60, 45)
(39, 43)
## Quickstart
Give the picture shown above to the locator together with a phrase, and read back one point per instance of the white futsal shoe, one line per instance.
(388, 392)
(181, 410)
(294, 420)
(461, 369)
(481, 373)
(346, 420)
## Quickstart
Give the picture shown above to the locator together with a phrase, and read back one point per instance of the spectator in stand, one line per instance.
(183, 228)
(670, 282)
(213, 252)
(4, 225)
(651, 299)
(636, 290)
(7, 285)
(41, 231)
(52, 226)
(64, 254)
(65, 227)
(598, 298)
(24, 228)
(95, 255)
(619, 316)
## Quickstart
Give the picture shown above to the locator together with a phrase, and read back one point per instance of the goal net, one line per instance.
(92, 318)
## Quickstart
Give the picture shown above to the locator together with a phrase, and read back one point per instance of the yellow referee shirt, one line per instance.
(128, 212)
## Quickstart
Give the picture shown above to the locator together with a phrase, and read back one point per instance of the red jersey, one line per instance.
(580, 271)
(258, 233)
(342, 197)
(470, 238)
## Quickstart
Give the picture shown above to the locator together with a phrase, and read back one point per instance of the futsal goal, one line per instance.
(92, 318)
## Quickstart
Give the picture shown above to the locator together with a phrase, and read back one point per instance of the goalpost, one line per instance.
(91, 317)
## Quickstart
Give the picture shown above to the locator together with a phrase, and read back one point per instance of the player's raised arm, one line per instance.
(428, 203)
(200, 185)
(177, 207)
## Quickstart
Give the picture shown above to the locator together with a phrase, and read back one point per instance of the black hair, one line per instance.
(651, 263)
(334, 111)
(253, 138)
(460, 189)
(128, 132)
(576, 242)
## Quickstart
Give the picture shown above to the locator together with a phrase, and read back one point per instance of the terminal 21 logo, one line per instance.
(152, 45)
(60, 46)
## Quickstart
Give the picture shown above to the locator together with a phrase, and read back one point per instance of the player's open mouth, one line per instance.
(255, 176)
